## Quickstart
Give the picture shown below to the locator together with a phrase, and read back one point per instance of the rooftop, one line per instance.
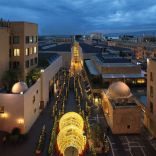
(46, 59)
(91, 67)
(112, 76)
(89, 48)
(109, 59)
(59, 48)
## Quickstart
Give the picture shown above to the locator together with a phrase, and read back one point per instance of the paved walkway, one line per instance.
(28, 147)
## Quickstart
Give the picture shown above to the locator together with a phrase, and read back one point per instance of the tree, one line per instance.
(10, 77)
(33, 76)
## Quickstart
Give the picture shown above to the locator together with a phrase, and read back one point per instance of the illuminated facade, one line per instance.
(76, 58)
(71, 133)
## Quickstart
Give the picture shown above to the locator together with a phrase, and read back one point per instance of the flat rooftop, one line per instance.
(110, 59)
(46, 59)
(65, 47)
(91, 67)
(115, 76)
(87, 48)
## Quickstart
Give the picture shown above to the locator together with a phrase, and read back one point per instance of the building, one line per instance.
(97, 36)
(116, 68)
(151, 96)
(21, 107)
(23, 47)
(4, 48)
(122, 113)
(20, 47)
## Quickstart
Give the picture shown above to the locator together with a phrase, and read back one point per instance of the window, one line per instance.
(151, 91)
(128, 126)
(35, 50)
(34, 99)
(27, 64)
(151, 107)
(151, 76)
(31, 51)
(32, 62)
(16, 52)
(35, 60)
(27, 51)
(16, 64)
(37, 91)
(30, 39)
(10, 39)
(9, 52)
(16, 39)
(35, 39)
(27, 39)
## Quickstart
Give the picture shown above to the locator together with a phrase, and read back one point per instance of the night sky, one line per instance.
(82, 16)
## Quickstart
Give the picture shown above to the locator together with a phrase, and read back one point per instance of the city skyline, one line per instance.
(82, 16)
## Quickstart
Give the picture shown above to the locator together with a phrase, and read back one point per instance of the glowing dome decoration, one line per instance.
(71, 136)
(71, 133)
(19, 88)
(118, 90)
(71, 118)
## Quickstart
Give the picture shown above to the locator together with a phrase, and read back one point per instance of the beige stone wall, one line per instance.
(124, 117)
(21, 106)
(14, 110)
(151, 122)
(4, 51)
(32, 100)
(120, 117)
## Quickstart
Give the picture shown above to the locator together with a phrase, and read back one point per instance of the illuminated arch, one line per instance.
(71, 118)
(71, 133)
(71, 136)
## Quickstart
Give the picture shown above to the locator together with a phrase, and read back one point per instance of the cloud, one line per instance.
(80, 16)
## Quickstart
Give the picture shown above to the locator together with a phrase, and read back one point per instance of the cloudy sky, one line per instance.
(82, 16)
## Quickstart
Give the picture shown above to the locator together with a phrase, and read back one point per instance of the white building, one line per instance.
(21, 108)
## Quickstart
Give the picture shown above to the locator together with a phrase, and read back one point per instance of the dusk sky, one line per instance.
(82, 16)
